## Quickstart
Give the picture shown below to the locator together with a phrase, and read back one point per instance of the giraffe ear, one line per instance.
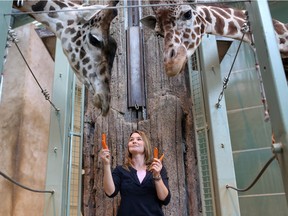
(149, 21)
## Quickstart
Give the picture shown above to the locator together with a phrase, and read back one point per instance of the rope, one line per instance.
(226, 79)
(43, 91)
(25, 187)
(256, 179)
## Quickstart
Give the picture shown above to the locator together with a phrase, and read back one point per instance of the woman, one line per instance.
(142, 180)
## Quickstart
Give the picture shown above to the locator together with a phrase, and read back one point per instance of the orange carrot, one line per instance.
(104, 145)
(161, 158)
(155, 152)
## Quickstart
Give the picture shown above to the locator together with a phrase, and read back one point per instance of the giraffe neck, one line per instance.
(225, 22)
(66, 13)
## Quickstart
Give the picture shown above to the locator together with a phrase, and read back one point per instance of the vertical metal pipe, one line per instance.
(135, 70)
(273, 78)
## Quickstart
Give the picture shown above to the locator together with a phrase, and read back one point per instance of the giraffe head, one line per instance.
(91, 53)
(84, 34)
(182, 30)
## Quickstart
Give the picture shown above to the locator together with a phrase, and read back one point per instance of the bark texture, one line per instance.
(167, 119)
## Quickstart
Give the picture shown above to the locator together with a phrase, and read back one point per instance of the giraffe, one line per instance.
(183, 27)
(84, 34)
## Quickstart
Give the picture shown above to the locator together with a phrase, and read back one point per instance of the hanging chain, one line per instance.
(13, 37)
(261, 85)
(244, 30)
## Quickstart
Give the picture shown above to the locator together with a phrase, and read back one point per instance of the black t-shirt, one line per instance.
(138, 199)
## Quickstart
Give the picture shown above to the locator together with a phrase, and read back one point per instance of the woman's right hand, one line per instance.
(105, 156)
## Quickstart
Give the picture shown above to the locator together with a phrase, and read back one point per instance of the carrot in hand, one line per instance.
(155, 152)
(161, 158)
(104, 145)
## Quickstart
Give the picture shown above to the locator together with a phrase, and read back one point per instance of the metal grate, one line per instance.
(205, 173)
(75, 166)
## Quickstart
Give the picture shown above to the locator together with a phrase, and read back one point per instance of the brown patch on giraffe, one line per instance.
(78, 35)
(39, 6)
(239, 14)
(61, 4)
(82, 53)
(207, 15)
(197, 30)
(202, 28)
(102, 70)
(59, 26)
(91, 75)
(69, 49)
(191, 46)
(220, 24)
(188, 30)
(78, 43)
(51, 14)
(197, 41)
(168, 36)
(84, 72)
(77, 66)
(232, 28)
(282, 41)
(86, 60)
(193, 36)
(177, 40)
(70, 22)
(198, 20)
(186, 43)
(186, 36)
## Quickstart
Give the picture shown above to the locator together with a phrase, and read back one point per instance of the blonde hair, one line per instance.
(147, 150)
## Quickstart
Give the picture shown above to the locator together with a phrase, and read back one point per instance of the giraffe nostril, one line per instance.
(172, 53)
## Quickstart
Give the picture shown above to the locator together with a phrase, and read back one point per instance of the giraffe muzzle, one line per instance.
(175, 61)
(102, 102)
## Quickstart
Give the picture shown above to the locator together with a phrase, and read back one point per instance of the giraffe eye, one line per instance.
(94, 41)
(187, 15)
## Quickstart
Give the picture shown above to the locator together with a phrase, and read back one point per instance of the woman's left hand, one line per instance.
(156, 167)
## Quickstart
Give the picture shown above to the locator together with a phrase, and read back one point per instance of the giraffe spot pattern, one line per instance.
(61, 4)
(186, 36)
(59, 26)
(232, 28)
(102, 70)
(207, 14)
(84, 72)
(82, 53)
(53, 15)
(77, 66)
(91, 75)
(220, 24)
(39, 6)
(70, 49)
(86, 60)
(73, 57)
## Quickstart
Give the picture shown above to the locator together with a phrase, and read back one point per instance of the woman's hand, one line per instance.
(156, 167)
(105, 156)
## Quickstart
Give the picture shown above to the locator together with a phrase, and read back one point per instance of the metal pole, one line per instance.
(274, 80)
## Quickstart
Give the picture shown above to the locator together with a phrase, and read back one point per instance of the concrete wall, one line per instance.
(24, 125)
